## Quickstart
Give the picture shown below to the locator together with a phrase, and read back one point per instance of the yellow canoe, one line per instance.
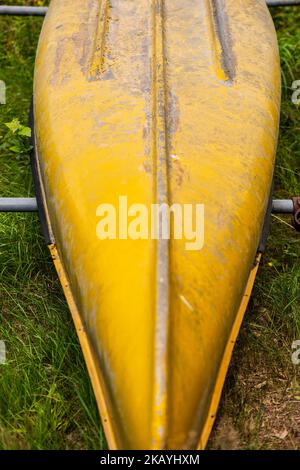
(158, 101)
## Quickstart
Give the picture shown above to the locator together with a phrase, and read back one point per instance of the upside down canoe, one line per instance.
(161, 101)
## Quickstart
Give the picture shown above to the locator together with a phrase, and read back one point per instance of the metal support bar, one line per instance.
(23, 11)
(41, 11)
(29, 204)
(18, 204)
(288, 206)
(283, 206)
(282, 3)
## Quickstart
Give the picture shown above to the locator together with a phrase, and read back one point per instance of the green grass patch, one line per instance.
(46, 399)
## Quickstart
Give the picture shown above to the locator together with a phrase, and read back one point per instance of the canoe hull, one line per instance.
(122, 109)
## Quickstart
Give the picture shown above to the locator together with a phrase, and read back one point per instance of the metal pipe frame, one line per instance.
(29, 204)
(18, 204)
(41, 11)
(283, 206)
(283, 3)
(23, 11)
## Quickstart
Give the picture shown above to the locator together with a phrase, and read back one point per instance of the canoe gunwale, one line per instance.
(221, 377)
(39, 191)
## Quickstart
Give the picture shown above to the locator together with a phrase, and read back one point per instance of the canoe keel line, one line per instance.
(159, 156)
(160, 124)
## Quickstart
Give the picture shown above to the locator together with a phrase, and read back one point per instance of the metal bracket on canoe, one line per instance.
(18, 204)
(41, 11)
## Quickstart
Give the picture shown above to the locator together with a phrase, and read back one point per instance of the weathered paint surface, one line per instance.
(162, 101)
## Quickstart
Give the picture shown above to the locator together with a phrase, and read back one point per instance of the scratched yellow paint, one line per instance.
(162, 101)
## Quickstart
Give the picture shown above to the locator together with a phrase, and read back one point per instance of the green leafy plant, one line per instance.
(17, 137)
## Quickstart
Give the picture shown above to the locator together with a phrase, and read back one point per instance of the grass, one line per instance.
(46, 400)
